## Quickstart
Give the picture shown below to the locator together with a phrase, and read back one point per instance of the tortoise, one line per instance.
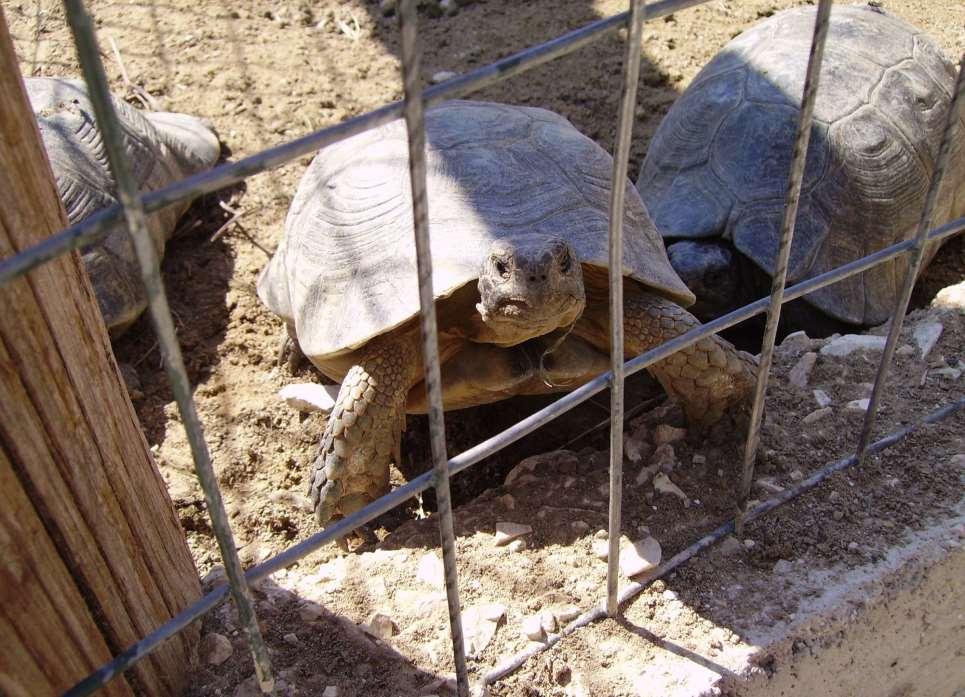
(517, 206)
(161, 147)
(715, 174)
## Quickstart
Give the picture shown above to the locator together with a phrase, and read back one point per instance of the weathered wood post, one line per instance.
(92, 557)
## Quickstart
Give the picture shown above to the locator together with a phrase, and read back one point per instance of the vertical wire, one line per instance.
(415, 127)
(93, 69)
(914, 266)
(628, 101)
(792, 199)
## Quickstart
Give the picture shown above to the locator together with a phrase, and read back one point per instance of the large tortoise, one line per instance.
(517, 203)
(716, 171)
(161, 147)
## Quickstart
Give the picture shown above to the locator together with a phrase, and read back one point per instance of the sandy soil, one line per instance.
(264, 72)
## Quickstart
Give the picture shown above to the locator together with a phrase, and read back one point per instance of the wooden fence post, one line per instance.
(92, 557)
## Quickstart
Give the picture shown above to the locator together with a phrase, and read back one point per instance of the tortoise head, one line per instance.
(529, 287)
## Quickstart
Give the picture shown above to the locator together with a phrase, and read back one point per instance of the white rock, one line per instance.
(443, 76)
(796, 475)
(783, 566)
(801, 372)
(381, 625)
(796, 341)
(633, 448)
(926, 335)
(665, 433)
(547, 621)
(601, 549)
(507, 531)
(663, 484)
(849, 343)
(664, 458)
(430, 570)
(639, 557)
(857, 405)
(951, 298)
(215, 649)
(309, 396)
(291, 639)
(817, 415)
(516, 545)
(330, 691)
(749, 543)
(479, 624)
(565, 613)
(822, 398)
(532, 628)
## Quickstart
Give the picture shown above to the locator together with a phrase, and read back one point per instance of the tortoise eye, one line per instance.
(566, 262)
(501, 268)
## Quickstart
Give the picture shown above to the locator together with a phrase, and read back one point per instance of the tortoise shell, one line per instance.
(345, 271)
(719, 162)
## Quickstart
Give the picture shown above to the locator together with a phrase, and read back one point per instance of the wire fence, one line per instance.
(134, 205)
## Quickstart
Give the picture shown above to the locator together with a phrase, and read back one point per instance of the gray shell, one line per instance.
(718, 164)
(160, 147)
(346, 270)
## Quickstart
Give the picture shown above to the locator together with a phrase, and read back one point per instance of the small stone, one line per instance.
(565, 613)
(547, 621)
(507, 501)
(852, 546)
(331, 691)
(516, 545)
(443, 76)
(905, 350)
(634, 449)
(951, 298)
(600, 549)
(532, 628)
(381, 625)
(507, 531)
(837, 514)
(310, 612)
(664, 458)
(663, 484)
(665, 433)
(309, 396)
(215, 649)
(795, 342)
(926, 335)
(479, 624)
(699, 459)
(580, 527)
(801, 372)
(849, 343)
(783, 566)
(601, 534)
(958, 460)
(749, 543)
(858, 405)
(291, 640)
(822, 398)
(430, 570)
(817, 415)
(796, 475)
(730, 545)
(639, 557)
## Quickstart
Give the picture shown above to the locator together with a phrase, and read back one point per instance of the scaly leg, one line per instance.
(363, 430)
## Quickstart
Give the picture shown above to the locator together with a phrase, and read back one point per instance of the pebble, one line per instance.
(634, 449)
(699, 459)
(565, 613)
(430, 570)
(817, 415)
(664, 458)
(641, 556)
(507, 531)
(849, 343)
(381, 625)
(601, 534)
(783, 566)
(926, 335)
(858, 405)
(479, 624)
(516, 545)
(309, 396)
(310, 612)
(663, 484)
(547, 621)
(665, 433)
(749, 543)
(443, 76)
(795, 341)
(600, 549)
(292, 639)
(330, 691)
(532, 628)
(215, 649)
(852, 546)
(822, 398)
(951, 297)
(837, 514)
(796, 475)
(801, 372)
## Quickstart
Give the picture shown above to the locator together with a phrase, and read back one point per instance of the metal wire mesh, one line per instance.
(134, 206)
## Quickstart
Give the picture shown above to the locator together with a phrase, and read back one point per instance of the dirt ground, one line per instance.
(264, 72)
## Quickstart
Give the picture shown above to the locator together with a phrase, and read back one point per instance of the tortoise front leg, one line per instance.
(363, 430)
(707, 378)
